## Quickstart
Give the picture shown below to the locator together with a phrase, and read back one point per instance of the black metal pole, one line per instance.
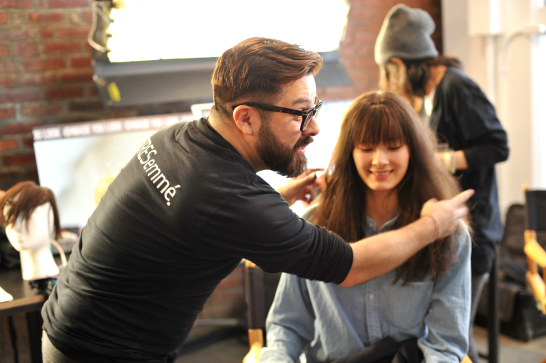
(493, 322)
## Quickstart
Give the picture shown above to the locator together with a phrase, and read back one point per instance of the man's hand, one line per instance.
(304, 187)
(447, 212)
(376, 255)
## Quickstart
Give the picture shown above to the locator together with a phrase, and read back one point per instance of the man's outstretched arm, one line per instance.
(380, 254)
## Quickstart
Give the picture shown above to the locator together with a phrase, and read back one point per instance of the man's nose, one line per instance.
(312, 129)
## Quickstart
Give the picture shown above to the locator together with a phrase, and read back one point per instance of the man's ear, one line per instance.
(244, 118)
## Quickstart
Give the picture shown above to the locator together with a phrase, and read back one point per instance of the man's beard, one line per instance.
(284, 160)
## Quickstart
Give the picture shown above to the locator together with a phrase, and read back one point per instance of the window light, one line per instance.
(178, 29)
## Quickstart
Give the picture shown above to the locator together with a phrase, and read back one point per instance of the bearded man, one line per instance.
(189, 206)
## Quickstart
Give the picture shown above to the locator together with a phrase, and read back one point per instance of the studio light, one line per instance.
(154, 51)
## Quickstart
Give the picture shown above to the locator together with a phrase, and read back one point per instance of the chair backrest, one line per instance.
(535, 201)
(260, 288)
(512, 243)
(535, 214)
(536, 223)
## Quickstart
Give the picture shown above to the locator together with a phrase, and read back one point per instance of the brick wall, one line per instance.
(46, 78)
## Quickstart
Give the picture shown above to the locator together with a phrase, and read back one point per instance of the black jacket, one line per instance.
(464, 118)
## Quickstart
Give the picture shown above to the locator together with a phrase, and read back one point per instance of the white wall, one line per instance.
(508, 63)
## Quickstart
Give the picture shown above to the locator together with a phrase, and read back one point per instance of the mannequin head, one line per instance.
(31, 221)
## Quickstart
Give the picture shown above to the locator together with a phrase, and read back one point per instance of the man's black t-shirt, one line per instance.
(177, 220)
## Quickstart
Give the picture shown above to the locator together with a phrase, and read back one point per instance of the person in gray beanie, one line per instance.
(464, 120)
(405, 34)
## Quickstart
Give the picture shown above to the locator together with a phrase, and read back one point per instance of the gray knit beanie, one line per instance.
(405, 34)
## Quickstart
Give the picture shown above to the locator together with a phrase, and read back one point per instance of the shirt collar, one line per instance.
(371, 226)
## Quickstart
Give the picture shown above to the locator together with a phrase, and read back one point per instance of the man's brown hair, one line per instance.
(259, 68)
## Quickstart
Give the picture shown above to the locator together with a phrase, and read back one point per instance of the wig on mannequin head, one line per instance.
(31, 220)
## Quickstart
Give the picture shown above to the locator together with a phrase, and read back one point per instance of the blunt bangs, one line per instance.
(377, 124)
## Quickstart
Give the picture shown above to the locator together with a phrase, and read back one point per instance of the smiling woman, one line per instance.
(381, 166)
(382, 171)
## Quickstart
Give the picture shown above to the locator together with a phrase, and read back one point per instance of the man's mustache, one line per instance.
(304, 141)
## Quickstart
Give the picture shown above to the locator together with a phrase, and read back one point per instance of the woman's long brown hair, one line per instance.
(23, 198)
(372, 118)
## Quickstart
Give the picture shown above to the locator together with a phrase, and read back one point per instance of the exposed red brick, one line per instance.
(25, 49)
(19, 127)
(7, 176)
(88, 47)
(6, 82)
(4, 18)
(9, 144)
(32, 174)
(27, 141)
(46, 33)
(8, 112)
(77, 77)
(87, 17)
(41, 110)
(81, 62)
(13, 35)
(11, 66)
(4, 51)
(93, 92)
(62, 47)
(45, 17)
(63, 93)
(19, 96)
(68, 3)
(72, 32)
(37, 80)
(44, 64)
(19, 159)
(16, 4)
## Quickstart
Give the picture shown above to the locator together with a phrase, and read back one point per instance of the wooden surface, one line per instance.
(27, 301)
(25, 298)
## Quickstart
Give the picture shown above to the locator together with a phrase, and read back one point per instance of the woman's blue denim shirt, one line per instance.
(333, 321)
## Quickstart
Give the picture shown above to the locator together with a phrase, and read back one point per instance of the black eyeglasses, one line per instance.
(306, 116)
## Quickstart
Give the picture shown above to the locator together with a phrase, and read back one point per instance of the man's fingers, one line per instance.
(461, 212)
(307, 172)
(310, 178)
(462, 197)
